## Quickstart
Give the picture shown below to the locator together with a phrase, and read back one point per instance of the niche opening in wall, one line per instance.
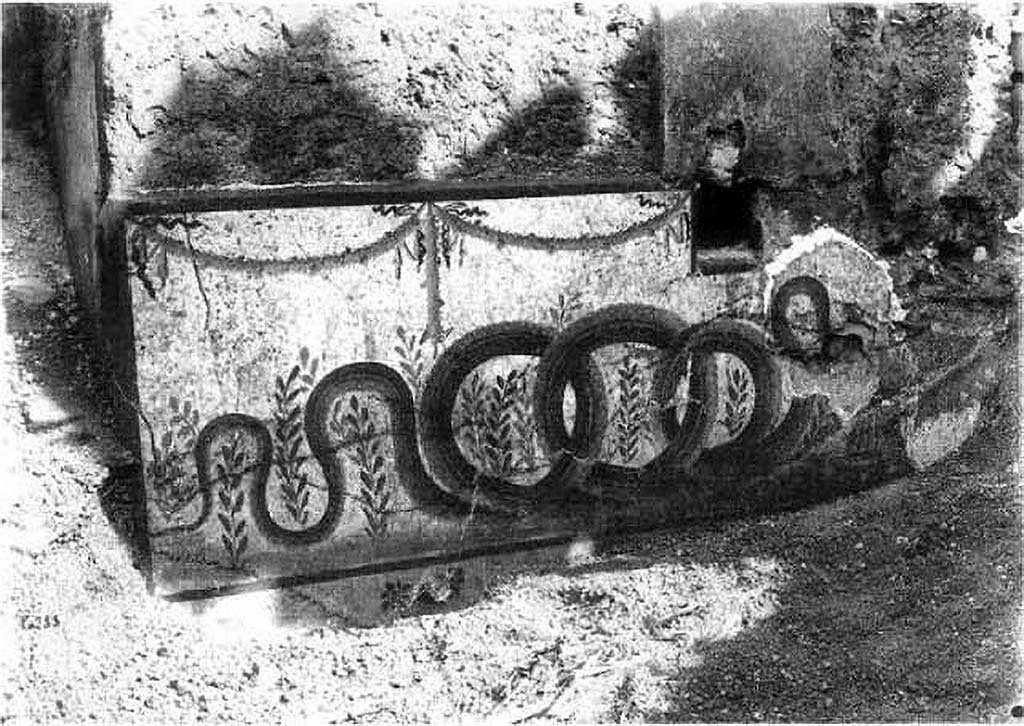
(727, 235)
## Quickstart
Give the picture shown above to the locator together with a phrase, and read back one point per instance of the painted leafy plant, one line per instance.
(447, 237)
(290, 450)
(469, 416)
(524, 425)
(739, 397)
(171, 470)
(361, 435)
(412, 359)
(415, 355)
(630, 417)
(233, 462)
(565, 309)
(494, 424)
(498, 435)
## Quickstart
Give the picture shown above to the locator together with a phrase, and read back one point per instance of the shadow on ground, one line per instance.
(896, 604)
(72, 403)
(68, 396)
(900, 604)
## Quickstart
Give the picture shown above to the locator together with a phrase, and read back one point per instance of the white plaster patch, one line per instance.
(817, 250)
(937, 437)
(983, 80)
(240, 618)
(580, 551)
(848, 386)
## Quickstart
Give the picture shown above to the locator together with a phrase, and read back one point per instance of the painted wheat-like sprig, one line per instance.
(290, 450)
(739, 398)
(361, 433)
(632, 410)
(233, 461)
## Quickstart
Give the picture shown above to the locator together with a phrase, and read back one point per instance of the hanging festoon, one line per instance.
(671, 226)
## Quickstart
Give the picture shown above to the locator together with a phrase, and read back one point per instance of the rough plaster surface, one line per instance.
(881, 121)
(849, 387)
(221, 93)
(767, 66)
(850, 273)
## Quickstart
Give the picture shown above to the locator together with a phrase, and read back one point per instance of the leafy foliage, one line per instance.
(739, 398)
(414, 356)
(290, 451)
(393, 210)
(495, 425)
(174, 485)
(230, 471)
(563, 312)
(465, 211)
(411, 357)
(360, 435)
(631, 414)
(657, 202)
(447, 237)
(498, 435)
(149, 251)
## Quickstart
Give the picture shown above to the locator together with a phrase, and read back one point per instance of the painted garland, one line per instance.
(672, 225)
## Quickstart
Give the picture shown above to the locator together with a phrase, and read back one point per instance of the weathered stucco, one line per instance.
(931, 440)
(222, 93)
(767, 66)
(891, 123)
(852, 275)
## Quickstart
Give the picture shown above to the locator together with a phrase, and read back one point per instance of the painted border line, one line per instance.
(380, 567)
(177, 201)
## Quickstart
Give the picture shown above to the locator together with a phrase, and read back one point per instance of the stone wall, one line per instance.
(892, 124)
(71, 44)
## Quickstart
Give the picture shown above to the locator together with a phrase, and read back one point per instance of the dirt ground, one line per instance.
(898, 604)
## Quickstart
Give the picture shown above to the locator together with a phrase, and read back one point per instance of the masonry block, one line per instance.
(768, 67)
